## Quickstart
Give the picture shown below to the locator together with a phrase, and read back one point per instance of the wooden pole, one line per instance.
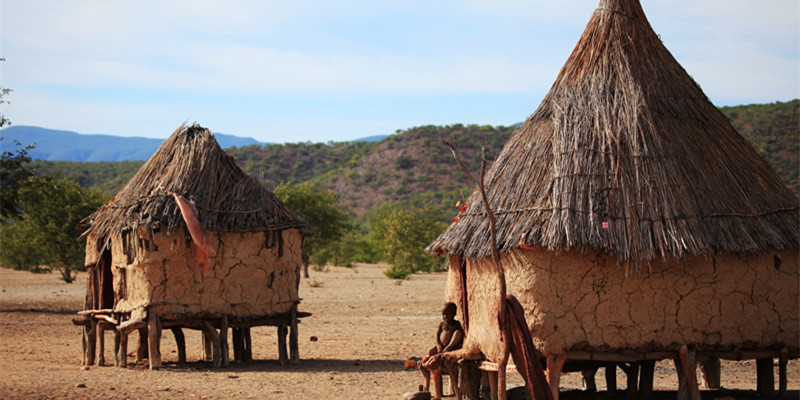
(116, 347)
(689, 369)
(180, 342)
(555, 363)
(632, 375)
(91, 340)
(208, 353)
(282, 355)
(143, 349)
(611, 378)
(646, 378)
(101, 345)
(782, 364)
(493, 389)
(294, 349)
(238, 344)
(248, 344)
(710, 370)
(765, 377)
(122, 353)
(588, 378)
(153, 338)
(223, 340)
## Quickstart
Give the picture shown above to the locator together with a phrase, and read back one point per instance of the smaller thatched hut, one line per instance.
(634, 223)
(191, 242)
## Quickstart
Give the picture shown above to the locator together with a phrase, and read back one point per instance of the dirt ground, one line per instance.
(366, 326)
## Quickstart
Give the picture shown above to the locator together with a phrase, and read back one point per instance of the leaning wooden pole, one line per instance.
(501, 275)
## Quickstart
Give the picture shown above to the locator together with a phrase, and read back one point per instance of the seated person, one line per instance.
(449, 337)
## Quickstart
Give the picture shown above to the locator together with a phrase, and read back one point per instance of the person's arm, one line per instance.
(439, 344)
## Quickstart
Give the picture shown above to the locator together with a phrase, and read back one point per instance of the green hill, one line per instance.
(413, 166)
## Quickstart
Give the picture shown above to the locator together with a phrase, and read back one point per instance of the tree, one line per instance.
(13, 172)
(52, 209)
(326, 221)
(403, 234)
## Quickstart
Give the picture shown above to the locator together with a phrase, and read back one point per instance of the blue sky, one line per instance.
(303, 70)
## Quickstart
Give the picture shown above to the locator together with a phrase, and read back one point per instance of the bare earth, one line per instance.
(366, 326)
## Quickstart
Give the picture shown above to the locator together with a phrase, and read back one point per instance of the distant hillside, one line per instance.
(55, 145)
(414, 167)
(774, 129)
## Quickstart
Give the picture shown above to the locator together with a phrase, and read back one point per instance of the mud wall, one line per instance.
(585, 301)
(254, 274)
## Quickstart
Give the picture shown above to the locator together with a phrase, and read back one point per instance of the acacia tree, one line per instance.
(320, 209)
(46, 231)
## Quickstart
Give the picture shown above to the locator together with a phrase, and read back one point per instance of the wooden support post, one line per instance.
(294, 349)
(142, 350)
(611, 378)
(554, 365)
(632, 374)
(91, 340)
(180, 342)
(208, 353)
(765, 377)
(710, 370)
(238, 344)
(122, 352)
(223, 341)
(646, 374)
(588, 378)
(687, 366)
(782, 364)
(101, 345)
(471, 381)
(153, 338)
(283, 357)
(248, 344)
(117, 335)
(215, 343)
(492, 384)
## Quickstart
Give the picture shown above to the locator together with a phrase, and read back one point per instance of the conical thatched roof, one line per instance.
(626, 137)
(192, 164)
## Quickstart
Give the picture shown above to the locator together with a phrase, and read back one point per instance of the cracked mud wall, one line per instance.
(584, 301)
(254, 274)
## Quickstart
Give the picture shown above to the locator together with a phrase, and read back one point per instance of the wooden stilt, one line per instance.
(683, 388)
(589, 382)
(223, 341)
(208, 353)
(294, 349)
(238, 344)
(248, 344)
(493, 384)
(153, 339)
(180, 342)
(122, 353)
(101, 345)
(632, 374)
(765, 377)
(611, 378)
(215, 343)
(783, 361)
(91, 340)
(142, 350)
(646, 373)
(710, 371)
(471, 381)
(689, 369)
(283, 356)
(554, 365)
(116, 347)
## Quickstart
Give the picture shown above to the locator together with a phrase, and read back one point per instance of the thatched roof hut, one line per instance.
(192, 241)
(626, 198)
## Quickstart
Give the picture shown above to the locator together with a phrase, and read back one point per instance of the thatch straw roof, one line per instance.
(191, 163)
(626, 137)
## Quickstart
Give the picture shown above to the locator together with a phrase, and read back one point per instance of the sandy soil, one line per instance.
(366, 326)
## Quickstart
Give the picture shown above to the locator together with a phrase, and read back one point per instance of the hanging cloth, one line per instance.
(204, 250)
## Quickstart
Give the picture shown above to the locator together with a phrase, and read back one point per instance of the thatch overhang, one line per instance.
(627, 155)
(192, 164)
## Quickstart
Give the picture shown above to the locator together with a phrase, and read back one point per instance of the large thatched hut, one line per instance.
(191, 242)
(632, 220)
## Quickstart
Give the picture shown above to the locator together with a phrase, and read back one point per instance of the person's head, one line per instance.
(449, 311)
